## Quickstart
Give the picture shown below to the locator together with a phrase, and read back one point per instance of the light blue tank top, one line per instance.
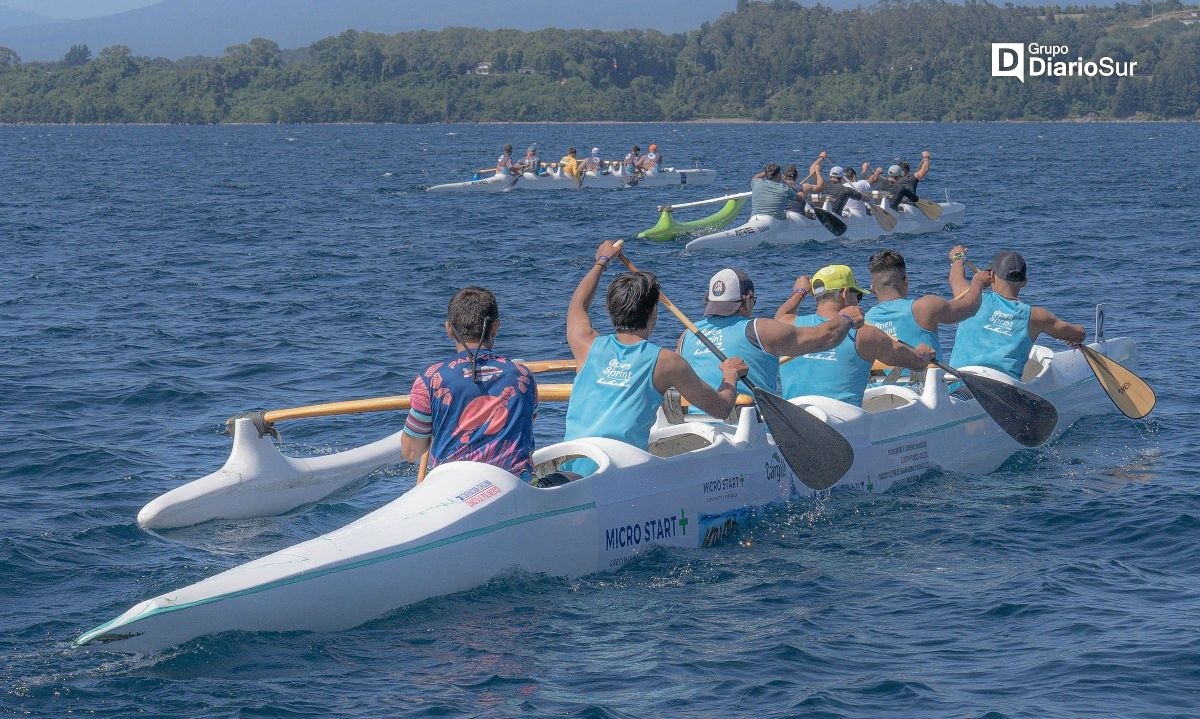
(729, 335)
(839, 373)
(895, 319)
(997, 336)
(614, 394)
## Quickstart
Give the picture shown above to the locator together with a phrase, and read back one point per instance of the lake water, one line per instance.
(160, 279)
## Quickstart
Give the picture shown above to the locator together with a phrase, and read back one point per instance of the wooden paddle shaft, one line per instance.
(424, 467)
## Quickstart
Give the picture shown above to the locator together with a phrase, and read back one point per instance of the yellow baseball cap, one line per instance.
(835, 277)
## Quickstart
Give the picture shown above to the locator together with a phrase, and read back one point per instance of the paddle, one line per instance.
(832, 222)
(816, 453)
(931, 209)
(423, 467)
(886, 220)
(1127, 391)
(1023, 415)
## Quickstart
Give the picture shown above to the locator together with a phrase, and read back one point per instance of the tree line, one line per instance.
(896, 60)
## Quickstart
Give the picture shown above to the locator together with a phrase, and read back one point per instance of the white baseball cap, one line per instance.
(894, 171)
(837, 171)
(726, 290)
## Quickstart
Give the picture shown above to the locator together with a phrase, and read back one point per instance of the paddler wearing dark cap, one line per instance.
(1001, 334)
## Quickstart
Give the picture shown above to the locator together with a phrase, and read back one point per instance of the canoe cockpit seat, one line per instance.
(678, 444)
(1038, 363)
(884, 397)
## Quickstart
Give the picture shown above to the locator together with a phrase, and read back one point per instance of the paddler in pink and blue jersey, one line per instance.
(477, 405)
(622, 376)
(917, 321)
(843, 372)
(1004, 329)
(730, 325)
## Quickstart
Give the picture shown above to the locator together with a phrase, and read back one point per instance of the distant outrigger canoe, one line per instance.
(556, 179)
(796, 229)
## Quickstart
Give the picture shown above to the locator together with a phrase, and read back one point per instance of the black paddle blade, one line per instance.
(816, 453)
(832, 222)
(1025, 416)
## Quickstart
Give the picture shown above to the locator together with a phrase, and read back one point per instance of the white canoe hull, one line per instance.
(798, 229)
(558, 180)
(470, 522)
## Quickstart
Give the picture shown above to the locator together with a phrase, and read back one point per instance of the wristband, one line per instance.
(848, 318)
(603, 261)
(958, 257)
(800, 291)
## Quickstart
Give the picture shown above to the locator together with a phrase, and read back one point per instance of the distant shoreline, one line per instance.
(1068, 120)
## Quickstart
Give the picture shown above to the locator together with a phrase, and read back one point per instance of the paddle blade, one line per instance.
(1025, 416)
(931, 209)
(1127, 391)
(886, 220)
(816, 453)
(832, 222)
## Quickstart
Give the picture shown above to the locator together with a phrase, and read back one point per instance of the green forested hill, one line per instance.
(927, 60)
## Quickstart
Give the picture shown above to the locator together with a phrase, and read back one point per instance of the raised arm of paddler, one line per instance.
(958, 271)
(923, 168)
(580, 332)
(814, 170)
(801, 288)
(931, 310)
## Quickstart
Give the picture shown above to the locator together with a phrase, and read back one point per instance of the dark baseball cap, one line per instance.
(1009, 265)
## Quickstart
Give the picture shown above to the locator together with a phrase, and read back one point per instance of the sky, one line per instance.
(76, 9)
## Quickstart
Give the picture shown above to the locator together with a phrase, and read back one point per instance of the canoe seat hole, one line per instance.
(881, 399)
(678, 444)
(1038, 362)
(551, 473)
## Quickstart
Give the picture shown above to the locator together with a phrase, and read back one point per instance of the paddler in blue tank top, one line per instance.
(477, 405)
(917, 321)
(843, 372)
(730, 324)
(1002, 333)
(622, 376)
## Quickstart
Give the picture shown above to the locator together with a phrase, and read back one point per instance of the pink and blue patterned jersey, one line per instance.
(486, 418)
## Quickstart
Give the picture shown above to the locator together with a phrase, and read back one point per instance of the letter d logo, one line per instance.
(1008, 60)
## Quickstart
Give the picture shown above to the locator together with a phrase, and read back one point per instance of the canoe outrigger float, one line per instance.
(556, 179)
(668, 228)
(469, 522)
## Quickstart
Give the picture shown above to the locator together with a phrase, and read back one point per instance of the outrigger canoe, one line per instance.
(798, 229)
(556, 179)
(468, 523)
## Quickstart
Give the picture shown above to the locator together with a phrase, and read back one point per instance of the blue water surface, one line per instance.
(159, 279)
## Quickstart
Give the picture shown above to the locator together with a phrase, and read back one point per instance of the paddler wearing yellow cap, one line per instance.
(843, 372)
